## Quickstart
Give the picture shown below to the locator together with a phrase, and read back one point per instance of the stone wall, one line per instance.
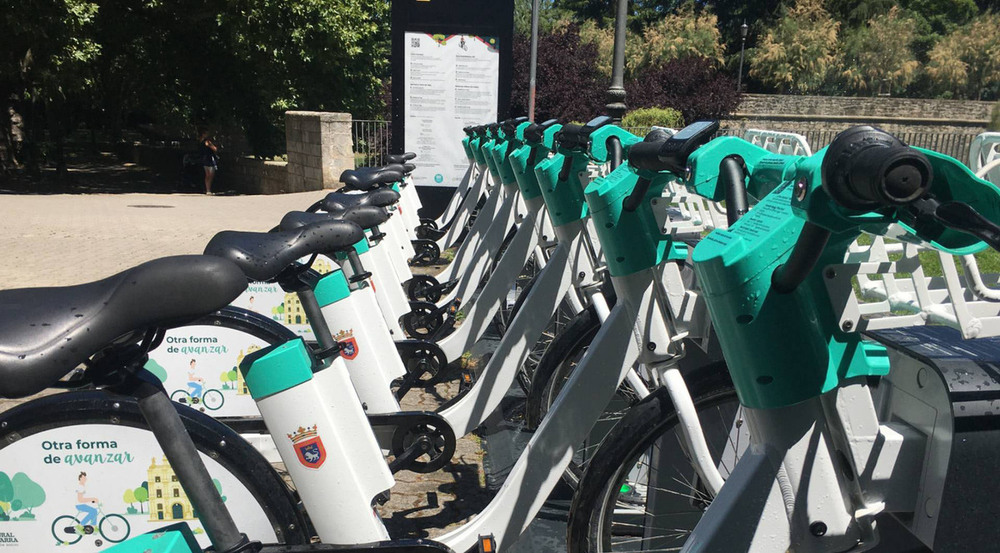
(319, 148)
(947, 126)
(929, 115)
(253, 176)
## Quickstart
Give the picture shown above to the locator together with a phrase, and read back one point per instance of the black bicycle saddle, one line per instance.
(368, 178)
(47, 332)
(264, 255)
(400, 158)
(339, 201)
(365, 217)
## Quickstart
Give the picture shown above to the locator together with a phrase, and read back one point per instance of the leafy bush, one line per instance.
(643, 118)
(692, 86)
(569, 85)
(995, 118)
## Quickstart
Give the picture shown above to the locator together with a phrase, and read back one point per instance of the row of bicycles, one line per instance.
(723, 348)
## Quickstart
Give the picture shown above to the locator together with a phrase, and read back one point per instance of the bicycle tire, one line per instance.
(577, 334)
(114, 517)
(590, 523)
(212, 438)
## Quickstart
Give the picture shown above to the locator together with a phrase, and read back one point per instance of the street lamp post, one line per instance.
(616, 93)
(534, 61)
(743, 43)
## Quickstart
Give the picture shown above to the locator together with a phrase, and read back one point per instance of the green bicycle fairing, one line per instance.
(781, 348)
(175, 538)
(564, 200)
(277, 368)
(504, 172)
(549, 137)
(527, 181)
(599, 141)
(491, 164)
(467, 146)
(786, 348)
(332, 288)
(476, 146)
(519, 132)
(631, 240)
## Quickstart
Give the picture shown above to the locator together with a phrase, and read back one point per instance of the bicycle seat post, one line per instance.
(181, 453)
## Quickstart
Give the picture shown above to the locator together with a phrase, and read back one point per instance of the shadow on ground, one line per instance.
(100, 173)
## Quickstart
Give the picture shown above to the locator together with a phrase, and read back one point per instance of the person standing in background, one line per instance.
(209, 158)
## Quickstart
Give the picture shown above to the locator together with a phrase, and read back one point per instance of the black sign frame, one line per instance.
(450, 17)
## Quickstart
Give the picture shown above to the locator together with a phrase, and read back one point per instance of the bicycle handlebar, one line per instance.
(866, 168)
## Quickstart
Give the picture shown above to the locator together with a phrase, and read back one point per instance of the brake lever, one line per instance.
(963, 217)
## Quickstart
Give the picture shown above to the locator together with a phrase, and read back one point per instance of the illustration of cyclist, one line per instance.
(86, 505)
(195, 382)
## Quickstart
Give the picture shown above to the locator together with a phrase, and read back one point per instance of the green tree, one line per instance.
(232, 376)
(966, 63)
(878, 58)
(28, 492)
(936, 19)
(549, 16)
(798, 53)
(603, 38)
(855, 13)
(141, 495)
(47, 51)
(685, 33)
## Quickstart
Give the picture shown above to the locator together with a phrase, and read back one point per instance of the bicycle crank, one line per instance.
(422, 441)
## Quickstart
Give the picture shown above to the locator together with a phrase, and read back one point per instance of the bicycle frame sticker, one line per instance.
(348, 343)
(198, 367)
(89, 486)
(308, 447)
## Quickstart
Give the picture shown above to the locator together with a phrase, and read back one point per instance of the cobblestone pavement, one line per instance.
(55, 240)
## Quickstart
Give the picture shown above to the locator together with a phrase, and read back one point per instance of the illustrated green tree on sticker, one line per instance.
(19, 493)
(141, 495)
(129, 497)
(157, 370)
(28, 494)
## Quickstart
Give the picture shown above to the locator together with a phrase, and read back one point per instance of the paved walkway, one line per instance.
(56, 240)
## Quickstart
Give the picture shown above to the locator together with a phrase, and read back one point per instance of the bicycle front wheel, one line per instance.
(212, 399)
(64, 530)
(114, 528)
(640, 492)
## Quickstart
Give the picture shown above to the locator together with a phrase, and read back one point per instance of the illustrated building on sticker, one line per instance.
(241, 384)
(294, 315)
(322, 265)
(167, 500)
